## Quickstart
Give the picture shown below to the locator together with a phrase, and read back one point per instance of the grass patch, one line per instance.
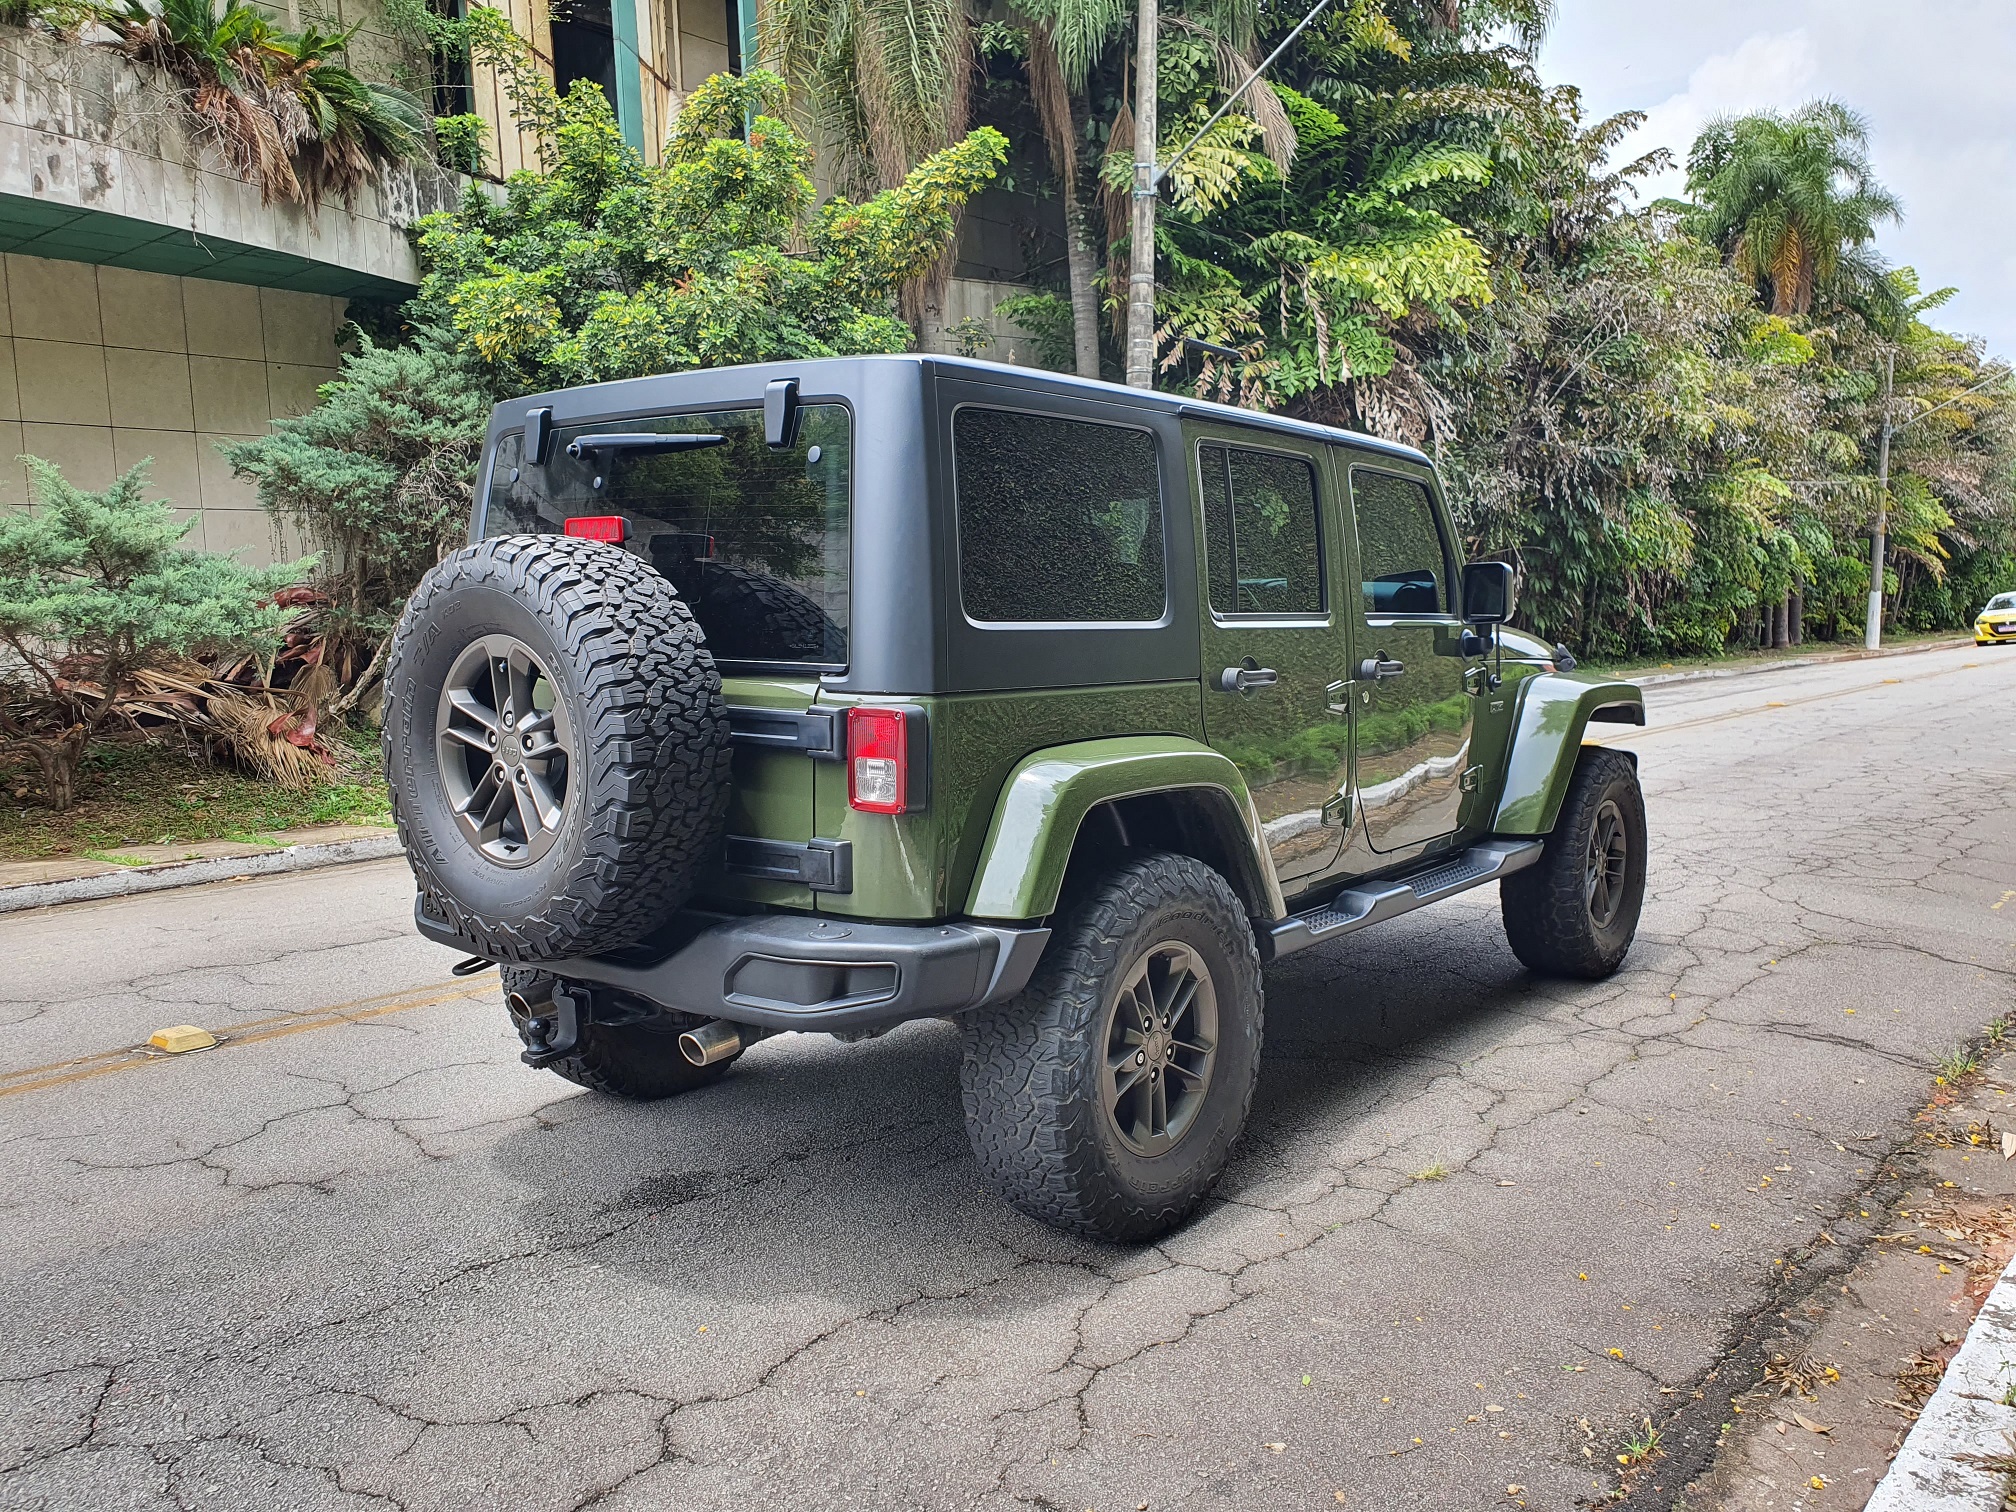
(165, 793)
(1961, 1060)
(1435, 1170)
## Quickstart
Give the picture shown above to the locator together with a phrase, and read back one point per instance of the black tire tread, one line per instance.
(655, 749)
(1031, 1111)
(1544, 908)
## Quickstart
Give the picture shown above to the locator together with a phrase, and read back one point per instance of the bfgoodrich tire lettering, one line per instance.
(1575, 912)
(647, 780)
(1031, 1078)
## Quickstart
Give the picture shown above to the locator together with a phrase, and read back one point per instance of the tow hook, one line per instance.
(711, 1043)
(552, 1015)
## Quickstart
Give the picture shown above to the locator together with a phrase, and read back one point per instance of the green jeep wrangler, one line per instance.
(825, 695)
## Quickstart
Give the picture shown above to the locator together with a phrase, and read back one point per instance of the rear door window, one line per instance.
(756, 540)
(1060, 521)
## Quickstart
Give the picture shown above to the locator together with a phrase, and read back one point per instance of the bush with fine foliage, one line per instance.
(95, 587)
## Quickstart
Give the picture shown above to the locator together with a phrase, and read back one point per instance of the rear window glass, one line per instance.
(755, 540)
(1059, 520)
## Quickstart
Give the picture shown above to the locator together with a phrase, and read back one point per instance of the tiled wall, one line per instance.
(100, 367)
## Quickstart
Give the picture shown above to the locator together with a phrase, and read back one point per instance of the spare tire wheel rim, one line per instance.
(506, 750)
(1161, 1043)
(1605, 869)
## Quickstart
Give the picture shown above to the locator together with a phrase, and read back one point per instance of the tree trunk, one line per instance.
(1795, 618)
(1081, 264)
(1781, 627)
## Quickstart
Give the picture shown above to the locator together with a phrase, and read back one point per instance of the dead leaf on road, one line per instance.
(1809, 1425)
(2008, 1143)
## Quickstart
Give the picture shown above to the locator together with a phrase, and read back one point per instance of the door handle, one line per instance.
(1377, 668)
(1247, 676)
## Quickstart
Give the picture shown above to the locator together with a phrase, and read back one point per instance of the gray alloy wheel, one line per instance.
(1604, 872)
(1161, 1045)
(506, 750)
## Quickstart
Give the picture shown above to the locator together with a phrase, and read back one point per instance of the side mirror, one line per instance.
(1488, 596)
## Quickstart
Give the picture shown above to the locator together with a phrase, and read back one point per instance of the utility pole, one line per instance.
(1872, 632)
(1141, 236)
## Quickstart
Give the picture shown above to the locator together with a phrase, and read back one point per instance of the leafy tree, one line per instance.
(94, 587)
(608, 268)
(1791, 200)
(377, 478)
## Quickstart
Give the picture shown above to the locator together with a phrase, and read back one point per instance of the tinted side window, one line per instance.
(1263, 549)
(1399, 547)
(1059, 520)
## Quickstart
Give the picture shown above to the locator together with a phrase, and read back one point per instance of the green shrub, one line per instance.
(94, 587)
(459, 141)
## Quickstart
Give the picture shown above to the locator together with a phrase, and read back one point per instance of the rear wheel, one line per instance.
(1106, 1097)
(637, 1060)
(1574, 914)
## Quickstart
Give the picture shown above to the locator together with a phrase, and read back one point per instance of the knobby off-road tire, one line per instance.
(1573, 914)
(643, 786)
(640, 1062)
(1032, 1076)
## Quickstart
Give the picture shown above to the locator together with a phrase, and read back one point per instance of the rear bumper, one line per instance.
(794, 971)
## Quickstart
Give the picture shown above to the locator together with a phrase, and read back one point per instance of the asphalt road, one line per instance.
(359, 1257)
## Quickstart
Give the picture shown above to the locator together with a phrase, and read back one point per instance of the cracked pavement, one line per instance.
(360, 1257)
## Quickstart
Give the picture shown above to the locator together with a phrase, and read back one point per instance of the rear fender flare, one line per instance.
(1047, 796)
(1555, 710)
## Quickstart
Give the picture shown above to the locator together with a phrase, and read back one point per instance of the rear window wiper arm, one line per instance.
(643, 443)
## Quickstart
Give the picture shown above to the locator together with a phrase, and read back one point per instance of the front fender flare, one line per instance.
(1047, 796)
(1554, 710)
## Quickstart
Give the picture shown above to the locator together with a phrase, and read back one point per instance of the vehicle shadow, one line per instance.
(844, 1170)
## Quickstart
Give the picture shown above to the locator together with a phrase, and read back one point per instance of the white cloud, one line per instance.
(1932, 77)
(1767, 72)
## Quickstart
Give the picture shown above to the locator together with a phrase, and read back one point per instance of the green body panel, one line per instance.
(919, 866)
(771, 797)
(1049, 793)
(1553, 711)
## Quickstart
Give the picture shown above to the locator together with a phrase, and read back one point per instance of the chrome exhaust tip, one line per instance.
(537, 1004)
(711, 1044)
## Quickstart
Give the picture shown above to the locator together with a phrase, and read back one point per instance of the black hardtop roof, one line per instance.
(627, 392)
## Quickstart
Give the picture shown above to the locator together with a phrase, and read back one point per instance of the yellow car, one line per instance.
(1997, 622)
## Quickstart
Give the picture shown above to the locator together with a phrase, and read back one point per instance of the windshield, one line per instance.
(2002, 601)
(754, 539)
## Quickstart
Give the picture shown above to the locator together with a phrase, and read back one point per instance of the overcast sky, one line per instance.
(1935, 78)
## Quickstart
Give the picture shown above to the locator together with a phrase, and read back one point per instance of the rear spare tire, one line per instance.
(556, 745)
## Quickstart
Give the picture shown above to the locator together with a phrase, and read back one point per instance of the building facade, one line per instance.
(154, 303)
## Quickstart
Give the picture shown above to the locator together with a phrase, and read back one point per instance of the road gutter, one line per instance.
(166, 874)
(1791, 663)
(1939, 1467)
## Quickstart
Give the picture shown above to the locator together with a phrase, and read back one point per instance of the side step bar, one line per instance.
(1375, 902)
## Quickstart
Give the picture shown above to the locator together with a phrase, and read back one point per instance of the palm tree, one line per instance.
(1790, 199)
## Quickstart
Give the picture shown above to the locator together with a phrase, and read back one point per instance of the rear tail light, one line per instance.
(885, 760)
(611, 528)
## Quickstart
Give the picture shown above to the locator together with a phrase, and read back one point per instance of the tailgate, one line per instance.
(772, 854)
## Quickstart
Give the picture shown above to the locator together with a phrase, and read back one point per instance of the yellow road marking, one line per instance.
(127, 1058)
(1996, 907)
(1635, 735)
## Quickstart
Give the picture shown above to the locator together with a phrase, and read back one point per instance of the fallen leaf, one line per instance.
(1277, 1448)
(1817, 1484)
(2008, 1143)
(1809, 1425)
(1616, 1353)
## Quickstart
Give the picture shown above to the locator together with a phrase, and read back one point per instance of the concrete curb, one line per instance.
(1702, 674)
(1965, 1416)
(142, 879)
